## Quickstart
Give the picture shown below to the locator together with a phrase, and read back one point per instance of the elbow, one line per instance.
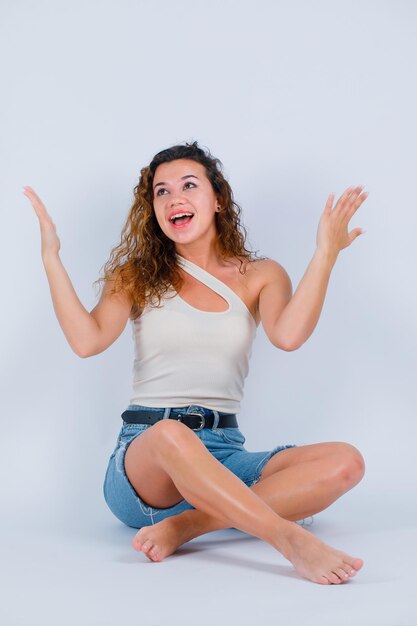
(83, 354)
(288, 346)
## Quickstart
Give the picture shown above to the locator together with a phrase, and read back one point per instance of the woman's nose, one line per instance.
(176, 199)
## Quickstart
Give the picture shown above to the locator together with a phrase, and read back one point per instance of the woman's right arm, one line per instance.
(87, 333)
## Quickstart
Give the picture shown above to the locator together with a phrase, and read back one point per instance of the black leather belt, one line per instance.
(196, 420)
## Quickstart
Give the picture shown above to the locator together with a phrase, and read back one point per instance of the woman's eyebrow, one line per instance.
(182, 178)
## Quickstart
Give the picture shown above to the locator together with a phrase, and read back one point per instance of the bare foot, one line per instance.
(317, 561)
(311, 558)
(161, 539)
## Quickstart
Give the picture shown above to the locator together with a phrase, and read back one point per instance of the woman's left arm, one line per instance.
(299, 317)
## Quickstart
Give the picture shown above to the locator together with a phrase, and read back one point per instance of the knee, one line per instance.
(170, 434)
(351, 465)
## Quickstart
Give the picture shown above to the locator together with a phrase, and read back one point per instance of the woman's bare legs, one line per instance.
(298, 484)
(295, 483)
(213, 489)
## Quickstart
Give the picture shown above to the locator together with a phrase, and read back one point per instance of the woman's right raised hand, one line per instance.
(49, 239)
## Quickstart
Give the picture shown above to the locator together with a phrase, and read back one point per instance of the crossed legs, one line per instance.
(295, 483)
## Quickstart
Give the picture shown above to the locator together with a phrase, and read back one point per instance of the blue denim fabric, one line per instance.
(225, 444)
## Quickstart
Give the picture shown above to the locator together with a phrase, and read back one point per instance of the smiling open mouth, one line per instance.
(181, 219)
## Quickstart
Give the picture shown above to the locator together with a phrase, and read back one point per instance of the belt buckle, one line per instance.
(202, 418)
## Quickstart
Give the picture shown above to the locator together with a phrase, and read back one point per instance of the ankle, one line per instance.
(185, 524)
(286, 536)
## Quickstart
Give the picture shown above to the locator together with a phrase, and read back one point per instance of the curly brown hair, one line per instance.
(144, 265)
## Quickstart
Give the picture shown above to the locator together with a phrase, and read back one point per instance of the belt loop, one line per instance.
(167, 411)
(216, 419)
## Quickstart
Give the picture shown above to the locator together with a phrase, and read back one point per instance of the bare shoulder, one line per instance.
(267, 271)
(109, 295)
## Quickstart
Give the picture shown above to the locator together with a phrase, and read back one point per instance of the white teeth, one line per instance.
(171, 219)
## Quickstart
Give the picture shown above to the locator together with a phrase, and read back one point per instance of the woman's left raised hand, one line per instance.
(332, 232)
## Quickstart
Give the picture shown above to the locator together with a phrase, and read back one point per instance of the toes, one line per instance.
(138, 539)
(136, 543)
(353, 566)
(334, 578)
(147, 545)
(154, 553)
(342, 573)
(329, 579)
(323, 580)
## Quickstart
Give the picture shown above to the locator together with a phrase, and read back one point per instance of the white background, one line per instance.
(297, 99)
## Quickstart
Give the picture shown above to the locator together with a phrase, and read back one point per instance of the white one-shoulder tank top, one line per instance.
(186, 356)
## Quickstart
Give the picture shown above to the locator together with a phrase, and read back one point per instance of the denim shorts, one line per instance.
(225, 444)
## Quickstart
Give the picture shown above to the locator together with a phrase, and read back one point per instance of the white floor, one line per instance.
(87, 574)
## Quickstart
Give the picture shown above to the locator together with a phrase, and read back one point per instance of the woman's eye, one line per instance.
(163, 188)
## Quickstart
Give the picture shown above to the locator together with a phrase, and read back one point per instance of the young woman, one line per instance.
(195, 296)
